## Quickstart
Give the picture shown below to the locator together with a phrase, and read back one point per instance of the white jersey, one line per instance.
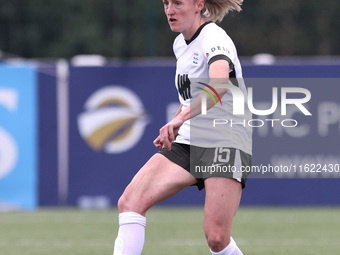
(210, 43)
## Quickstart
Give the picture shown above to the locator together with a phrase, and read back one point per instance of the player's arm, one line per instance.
(179, 110)
(218, 74)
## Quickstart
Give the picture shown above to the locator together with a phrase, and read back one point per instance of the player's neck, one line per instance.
(191, 32)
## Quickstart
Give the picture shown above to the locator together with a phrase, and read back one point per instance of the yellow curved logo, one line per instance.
(114, 120)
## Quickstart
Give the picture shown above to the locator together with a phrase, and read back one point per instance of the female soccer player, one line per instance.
(206, 57)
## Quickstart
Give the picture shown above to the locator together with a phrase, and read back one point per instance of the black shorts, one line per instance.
(203, 163)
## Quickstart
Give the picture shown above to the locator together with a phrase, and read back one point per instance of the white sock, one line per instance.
(231, 249)
(131, 234)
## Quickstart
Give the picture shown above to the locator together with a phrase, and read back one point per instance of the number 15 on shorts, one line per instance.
(222, 155)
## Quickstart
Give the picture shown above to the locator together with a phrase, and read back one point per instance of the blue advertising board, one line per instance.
(116, 112)
(48, 136)
(18, 137)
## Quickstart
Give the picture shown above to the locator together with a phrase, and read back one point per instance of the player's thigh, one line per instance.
(221, 203)
(157, 180)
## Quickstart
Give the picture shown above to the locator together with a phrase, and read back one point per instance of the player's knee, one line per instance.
(217, 242)
(131, 204)
(123, 204)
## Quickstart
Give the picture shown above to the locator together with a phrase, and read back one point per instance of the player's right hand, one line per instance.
(168, 133)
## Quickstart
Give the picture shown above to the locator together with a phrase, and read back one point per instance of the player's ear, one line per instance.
(200, 5)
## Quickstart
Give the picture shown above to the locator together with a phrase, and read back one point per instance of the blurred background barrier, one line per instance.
(18, 137)
(76, 135)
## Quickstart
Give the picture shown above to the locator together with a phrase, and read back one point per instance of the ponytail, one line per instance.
(215, 10)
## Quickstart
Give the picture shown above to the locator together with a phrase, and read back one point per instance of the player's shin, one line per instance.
(131, 234)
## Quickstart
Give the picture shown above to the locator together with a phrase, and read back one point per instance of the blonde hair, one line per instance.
(215, 10)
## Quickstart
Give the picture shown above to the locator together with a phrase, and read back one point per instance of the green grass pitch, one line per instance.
(171, 230)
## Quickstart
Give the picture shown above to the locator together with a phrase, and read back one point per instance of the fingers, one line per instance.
(162, 143)
(168, 133)
(165, 137)
(157, 143)
(167, 140)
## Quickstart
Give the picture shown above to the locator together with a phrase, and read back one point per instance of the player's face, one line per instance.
(184, 16)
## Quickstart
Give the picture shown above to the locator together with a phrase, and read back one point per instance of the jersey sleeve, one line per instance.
(218, 46)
